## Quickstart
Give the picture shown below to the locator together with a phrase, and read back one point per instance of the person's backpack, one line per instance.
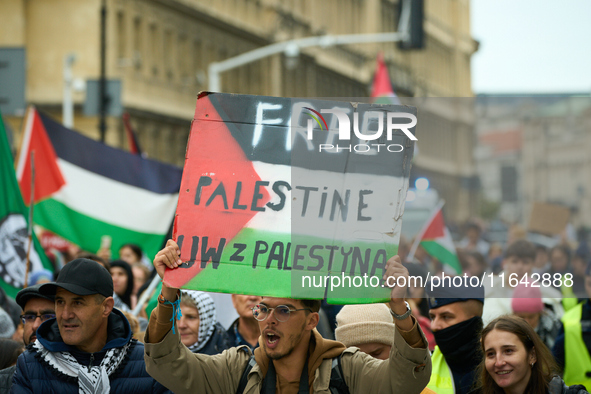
(337, 383)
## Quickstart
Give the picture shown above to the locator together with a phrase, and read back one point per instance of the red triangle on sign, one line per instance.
(216, 162)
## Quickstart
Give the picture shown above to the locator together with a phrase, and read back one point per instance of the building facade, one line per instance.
(160, 51)
(533, 148)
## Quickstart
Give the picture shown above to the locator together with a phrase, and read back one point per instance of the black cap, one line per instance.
(23, 296)
(82, 277)
(444, 293)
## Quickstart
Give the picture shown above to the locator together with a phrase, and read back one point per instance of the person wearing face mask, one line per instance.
(200, 331)
(456, 322)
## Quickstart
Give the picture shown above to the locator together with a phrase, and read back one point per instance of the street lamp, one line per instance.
(216, 68)
(292, 47)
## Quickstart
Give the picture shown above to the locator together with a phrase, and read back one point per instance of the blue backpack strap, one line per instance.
(337, 380)
(244, 379)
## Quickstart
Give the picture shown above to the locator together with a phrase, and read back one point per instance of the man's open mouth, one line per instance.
(272, 339)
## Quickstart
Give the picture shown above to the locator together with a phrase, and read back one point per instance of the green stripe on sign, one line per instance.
(86, 231)
(258, 262)
(442, 254)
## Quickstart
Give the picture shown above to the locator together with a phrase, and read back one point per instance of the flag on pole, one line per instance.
(105, 191)
(49, 176)
(13, 227)
(436, 239)
(382, 90)
(134, 144)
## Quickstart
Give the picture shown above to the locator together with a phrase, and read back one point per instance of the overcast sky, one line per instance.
(531, 46)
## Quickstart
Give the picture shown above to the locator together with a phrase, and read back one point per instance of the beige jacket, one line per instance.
(170, 362)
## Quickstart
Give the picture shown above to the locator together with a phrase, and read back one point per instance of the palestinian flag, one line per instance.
(436, 239)
(85, 190)
(262, 205)
(382, 91)
(13, 227)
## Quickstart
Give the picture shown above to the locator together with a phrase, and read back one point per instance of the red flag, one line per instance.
(436, 228)
(48, 177)
(381, 89)
(134, 145)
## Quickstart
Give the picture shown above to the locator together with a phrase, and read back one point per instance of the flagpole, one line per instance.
(32, 204)
(146, 295)
(419, 236)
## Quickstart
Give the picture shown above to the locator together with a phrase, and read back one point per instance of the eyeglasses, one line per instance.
(282, 312)
(31, 318)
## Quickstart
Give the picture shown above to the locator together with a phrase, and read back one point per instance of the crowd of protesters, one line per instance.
(76, 332)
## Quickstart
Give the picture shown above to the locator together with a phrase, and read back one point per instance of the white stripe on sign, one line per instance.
(371, 213)
(115, 202)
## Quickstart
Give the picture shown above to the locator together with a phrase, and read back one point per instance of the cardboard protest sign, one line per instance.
(549, 219)
(279, 197)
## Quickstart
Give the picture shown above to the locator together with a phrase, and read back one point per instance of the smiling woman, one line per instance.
(516, 361)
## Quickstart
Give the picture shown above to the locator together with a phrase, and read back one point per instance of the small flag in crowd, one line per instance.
(436, 239)
(134, 144)
(105, 191)
(13, 227)
(382, 90)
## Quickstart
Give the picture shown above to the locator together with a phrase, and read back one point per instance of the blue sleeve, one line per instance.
(558, 349)
(20, 380)
(157, 388)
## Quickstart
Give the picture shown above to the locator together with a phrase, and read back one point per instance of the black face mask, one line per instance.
(460, 342)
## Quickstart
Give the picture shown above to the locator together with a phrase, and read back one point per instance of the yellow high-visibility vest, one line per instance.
(577, 362)
(569, 300)
(441, 381)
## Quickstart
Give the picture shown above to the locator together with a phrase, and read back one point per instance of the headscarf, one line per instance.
(207, 317)
(125, 297)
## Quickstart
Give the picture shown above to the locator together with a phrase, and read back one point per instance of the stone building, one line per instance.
(556, 161)
(160, 51)
(534, 148)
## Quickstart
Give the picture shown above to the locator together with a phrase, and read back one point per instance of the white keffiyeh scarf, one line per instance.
(207, 317)
(91, 380)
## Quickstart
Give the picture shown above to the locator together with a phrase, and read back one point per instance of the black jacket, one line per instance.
(6, 379)
(218, 342)
(34, 375)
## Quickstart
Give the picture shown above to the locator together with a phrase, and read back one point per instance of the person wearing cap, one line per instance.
(36, 308)
(573, 343)
(88, 347)
(456, 322)
(527, 304)
(367, 327)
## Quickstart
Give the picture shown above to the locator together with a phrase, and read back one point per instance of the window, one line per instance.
(137, 43)
(122, 39)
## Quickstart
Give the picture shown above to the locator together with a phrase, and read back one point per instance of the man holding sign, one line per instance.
(292, 355)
